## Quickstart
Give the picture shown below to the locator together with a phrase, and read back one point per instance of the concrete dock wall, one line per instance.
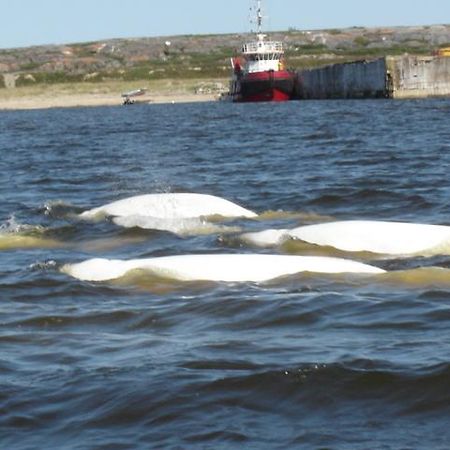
(390, 77)
(419, 77)
(359, 79)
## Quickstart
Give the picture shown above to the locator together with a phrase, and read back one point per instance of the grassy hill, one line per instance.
(203, 57)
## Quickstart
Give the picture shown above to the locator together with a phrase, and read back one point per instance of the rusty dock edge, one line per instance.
(395, 77)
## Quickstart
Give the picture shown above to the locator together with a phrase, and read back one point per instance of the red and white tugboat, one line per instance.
(259, 74)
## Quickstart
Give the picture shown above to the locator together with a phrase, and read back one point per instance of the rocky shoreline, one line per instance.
(182, 68)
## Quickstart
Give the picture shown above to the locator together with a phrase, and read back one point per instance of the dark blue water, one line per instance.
(310, 362)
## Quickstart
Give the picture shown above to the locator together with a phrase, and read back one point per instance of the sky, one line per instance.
(37, 22)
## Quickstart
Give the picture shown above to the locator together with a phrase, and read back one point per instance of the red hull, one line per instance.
(270, 86)
(271, 95)
(268, 75)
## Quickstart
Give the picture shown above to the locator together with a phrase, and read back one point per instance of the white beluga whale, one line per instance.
(171, 206)
(380, 237)
(182, 214)
(220, 268)
(182, 227)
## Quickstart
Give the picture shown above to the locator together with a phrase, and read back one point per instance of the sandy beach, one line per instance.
(78, 100)
(106, 94)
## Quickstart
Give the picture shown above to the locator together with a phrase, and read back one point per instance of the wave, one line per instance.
(355, 381)
(377, 237)
(308, 217)
(12, 226)
(225, 403)
(220, 268)
(58, 209)
(14, 235)
(422, 276)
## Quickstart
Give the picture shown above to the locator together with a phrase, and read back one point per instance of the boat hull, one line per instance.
(276, 86)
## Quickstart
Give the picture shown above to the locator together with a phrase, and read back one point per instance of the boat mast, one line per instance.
(259, 17)
(256, 9)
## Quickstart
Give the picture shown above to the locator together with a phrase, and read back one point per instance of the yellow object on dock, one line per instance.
(444, 51)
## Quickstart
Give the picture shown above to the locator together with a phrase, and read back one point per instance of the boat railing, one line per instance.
(262, 47)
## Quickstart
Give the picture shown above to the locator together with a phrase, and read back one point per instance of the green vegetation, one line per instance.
(361, 41)
(2, 82)
(312, 49)
(47, 78)
(28, 67)
(196, 65)
(378, 52)
(85, 49)
(187, 66)
(299, 59)
(334, 32)
(199, 57)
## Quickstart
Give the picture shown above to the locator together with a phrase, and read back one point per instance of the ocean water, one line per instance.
(310, 361)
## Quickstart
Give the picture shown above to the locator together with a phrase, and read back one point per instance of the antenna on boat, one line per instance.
(259, 17)
(257, 11)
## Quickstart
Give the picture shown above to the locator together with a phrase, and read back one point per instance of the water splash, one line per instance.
(58, 209)
(49, 265)
(12, 226)
(15, 235)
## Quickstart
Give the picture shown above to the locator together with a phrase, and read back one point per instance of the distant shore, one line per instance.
(80, 100)
(107, 94)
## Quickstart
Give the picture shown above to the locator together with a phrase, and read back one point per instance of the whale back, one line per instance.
(226, 268)
(171, 206)
(380, 237)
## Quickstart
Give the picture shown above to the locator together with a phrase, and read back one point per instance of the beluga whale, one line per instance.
(171, 206)
(378, 237)
(180, 213)
(217, 267)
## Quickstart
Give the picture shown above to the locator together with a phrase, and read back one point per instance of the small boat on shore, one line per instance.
(128, 97)
(259, 74)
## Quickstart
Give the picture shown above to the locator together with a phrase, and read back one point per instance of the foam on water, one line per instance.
(226, 268)
(15, 235)
(385, 238)
(12, 226)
